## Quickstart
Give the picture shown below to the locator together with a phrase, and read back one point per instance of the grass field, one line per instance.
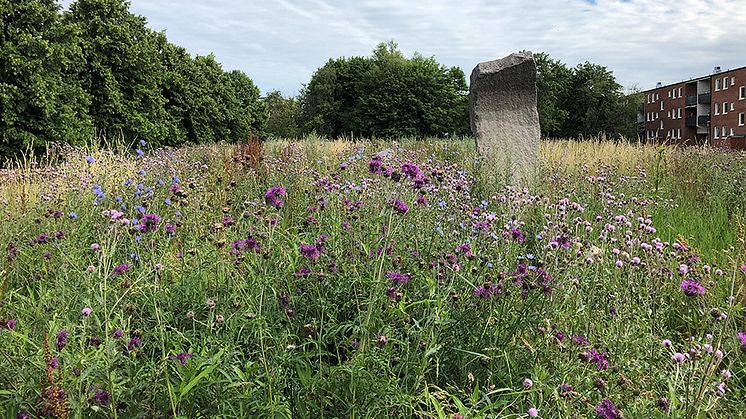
(310, 279)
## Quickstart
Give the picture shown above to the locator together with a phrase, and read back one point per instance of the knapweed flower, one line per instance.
(149, 222)
(183, 357)
(117, 333)
(86, 311)
(310, 251)
(397, 277)
(54, 363)
(134, 343)
(272, 196)
(742, 339)
(666, 343)
(678, 357)
(100, 397)
(400, 206)
(374, 165)
(692, 288)
(527, 383)
(120, 270)
(11, 324)
(593, 356)
(533, 413)
(62, 336)
(607, 410)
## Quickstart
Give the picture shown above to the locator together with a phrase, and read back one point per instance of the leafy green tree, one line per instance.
(386, 95)
(123, 71)
(40, 97)
(247, 113)
(593, 102)
(282, 115)
(552, 86)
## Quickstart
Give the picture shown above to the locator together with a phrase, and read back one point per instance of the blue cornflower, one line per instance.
(139, 152)
(73, 216)
(90, 160)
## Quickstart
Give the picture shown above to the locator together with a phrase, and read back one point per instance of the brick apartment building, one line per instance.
(705, 110)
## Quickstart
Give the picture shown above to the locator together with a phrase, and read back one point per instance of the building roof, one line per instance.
(694, 79)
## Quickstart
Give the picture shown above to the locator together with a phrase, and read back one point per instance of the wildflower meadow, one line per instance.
(371, 279)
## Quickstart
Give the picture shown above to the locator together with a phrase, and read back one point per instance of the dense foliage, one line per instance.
(283, 115)
(386, 95)
(584, 101)
(99, 67)
(322, 281)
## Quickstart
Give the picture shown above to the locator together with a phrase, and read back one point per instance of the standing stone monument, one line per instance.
(502, 109)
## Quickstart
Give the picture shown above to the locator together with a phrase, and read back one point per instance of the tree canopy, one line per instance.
(97, 69)
(385, 95)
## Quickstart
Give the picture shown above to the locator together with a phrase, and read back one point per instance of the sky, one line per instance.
(280, 43)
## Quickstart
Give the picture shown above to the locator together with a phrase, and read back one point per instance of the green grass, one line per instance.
(345, 340)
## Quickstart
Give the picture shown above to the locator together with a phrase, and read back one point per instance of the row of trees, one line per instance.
(97, 69)
(583, 101)
(388, 95)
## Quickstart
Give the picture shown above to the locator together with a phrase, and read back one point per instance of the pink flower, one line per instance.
(86, 311)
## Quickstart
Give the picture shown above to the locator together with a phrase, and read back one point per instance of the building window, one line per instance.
(669, 93)
(742, 93)
(725, 108)
(733, 81)
(725, 83)
(725, 130)
(679, 92)
(668, 114)
(732, 106)
(661, 124)
(717, 108)
(657, 96)
(679, 113)
(717, 84)
(661, 105)
(716, 132)
(731, 132)
(741, 121)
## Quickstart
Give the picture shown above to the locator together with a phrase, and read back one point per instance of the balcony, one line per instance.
(691, 100)
(691, 121)
(704, 99)
(702, 121)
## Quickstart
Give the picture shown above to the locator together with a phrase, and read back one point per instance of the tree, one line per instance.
(41, 98)
(552, 86)
(386, 95)
(123, 71)
(593, 102)
(282, 115)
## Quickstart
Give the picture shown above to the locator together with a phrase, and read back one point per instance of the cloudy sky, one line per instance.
(280, 43)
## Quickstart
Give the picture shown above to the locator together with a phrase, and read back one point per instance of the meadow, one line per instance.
(315, 279)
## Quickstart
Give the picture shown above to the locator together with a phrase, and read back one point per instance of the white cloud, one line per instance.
(280, 43)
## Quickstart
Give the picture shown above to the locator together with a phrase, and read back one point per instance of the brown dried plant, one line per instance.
(54, 395)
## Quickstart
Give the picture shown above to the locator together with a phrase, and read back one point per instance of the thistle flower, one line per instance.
(272, 196)
(692, 288)
(400, 206)
(183, 357)
(119, 270)
(527, 383)
(607, 410)
(310, 251)
(533, 413)
(62, 336)
(86, 311)
(398, 278)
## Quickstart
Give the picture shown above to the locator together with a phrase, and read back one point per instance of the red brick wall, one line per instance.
(735, 106)
(672, 102)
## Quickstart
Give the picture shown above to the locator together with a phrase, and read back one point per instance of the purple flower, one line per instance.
(149, 222)
(23, 415)
(678, 357)
(10, 324)
(374, 165)
(54, 363)
(400, 206)
(398, 277)
(599, 358)
(183, 357)
(528, 383)
(580, 340)
(134, 343)
(272, 196)
(607, 410)
(62, 336)
(692, 288)
(310, 251)
(101, 397)
(117, 333)
(86, 311)
(533, 413)
(90, 160)
(120, 270)
(560, 336)
(740, 335)
(170, 228)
